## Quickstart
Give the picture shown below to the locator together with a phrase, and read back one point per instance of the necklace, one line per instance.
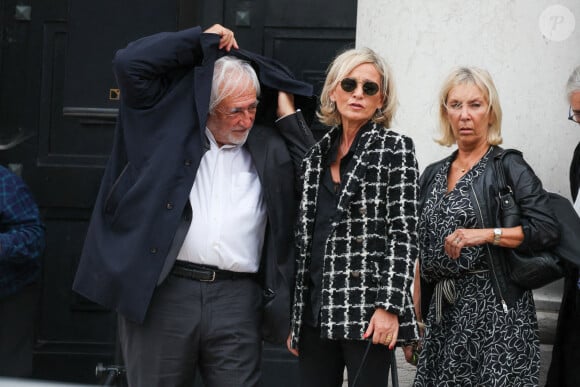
(461, 169)
(470, 164)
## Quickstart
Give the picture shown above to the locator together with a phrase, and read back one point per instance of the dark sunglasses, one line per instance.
(369, 88)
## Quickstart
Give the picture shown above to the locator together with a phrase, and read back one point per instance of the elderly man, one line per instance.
(191, 235)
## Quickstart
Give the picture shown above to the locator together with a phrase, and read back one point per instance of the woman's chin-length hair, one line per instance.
(482, 79)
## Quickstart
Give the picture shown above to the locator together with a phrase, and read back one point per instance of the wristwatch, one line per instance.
(496, 236)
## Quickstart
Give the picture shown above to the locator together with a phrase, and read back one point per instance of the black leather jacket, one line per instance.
(539, 224)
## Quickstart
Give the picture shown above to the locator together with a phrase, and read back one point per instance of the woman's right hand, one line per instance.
(293, 351)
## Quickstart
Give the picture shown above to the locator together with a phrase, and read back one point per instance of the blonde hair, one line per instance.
(340, 67)
(482, 79)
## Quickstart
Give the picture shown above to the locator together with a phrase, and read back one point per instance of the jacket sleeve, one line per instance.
(539, 224)
(401, 201)
(298, 138)
(21, 231)
(145, 67)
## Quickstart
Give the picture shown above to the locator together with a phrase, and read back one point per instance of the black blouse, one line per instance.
(328, 196)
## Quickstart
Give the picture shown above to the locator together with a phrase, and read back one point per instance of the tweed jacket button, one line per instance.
(359, 239)
(355, 274)
(362, 211)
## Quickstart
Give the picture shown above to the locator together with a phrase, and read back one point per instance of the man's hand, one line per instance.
(227, 40)
(285, 104)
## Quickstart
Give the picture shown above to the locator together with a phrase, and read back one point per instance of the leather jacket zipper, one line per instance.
(503, 303)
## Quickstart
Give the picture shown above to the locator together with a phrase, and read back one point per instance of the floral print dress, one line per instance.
(469, 340)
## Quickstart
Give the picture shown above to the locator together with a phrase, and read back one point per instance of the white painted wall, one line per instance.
(423, 40)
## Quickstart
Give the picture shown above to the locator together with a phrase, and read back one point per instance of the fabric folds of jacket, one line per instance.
(540, 227)
(165, 81)
(369, 254)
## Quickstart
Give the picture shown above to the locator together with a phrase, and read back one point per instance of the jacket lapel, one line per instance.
(312, 171)
(256, 144)
(354, 178)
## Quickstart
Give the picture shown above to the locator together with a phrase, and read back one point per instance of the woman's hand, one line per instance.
(408, 351)
(465, 237)
(227, 40)
(384, 328)
(293, 351)
(511, 237)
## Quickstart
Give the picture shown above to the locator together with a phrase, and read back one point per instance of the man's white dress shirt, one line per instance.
(228, 211)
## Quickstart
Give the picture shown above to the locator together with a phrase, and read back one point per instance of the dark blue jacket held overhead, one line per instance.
(165, 81)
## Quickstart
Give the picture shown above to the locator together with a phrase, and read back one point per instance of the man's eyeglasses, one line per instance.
(369, 88)
(574, 116)
(239, 111)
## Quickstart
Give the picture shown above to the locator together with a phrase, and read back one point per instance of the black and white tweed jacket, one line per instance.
(370, 252)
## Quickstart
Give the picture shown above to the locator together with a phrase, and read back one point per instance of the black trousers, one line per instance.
(18, 315)
(563, 370)
(211, 326)
(322, 361)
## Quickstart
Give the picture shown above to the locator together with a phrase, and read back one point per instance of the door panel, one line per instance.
(58, 106)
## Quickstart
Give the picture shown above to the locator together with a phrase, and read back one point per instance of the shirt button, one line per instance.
(169, 206)
(187, 163)
(153, 250)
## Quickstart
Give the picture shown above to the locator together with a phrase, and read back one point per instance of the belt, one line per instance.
(445, 289)
(206, 273)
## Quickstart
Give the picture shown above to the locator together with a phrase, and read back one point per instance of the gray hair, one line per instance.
(573, 84)
(229, 75)
(340, 67)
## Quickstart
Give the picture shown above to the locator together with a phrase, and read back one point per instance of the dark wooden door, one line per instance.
(58, 105)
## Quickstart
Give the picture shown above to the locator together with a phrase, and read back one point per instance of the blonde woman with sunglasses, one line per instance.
(356, 237)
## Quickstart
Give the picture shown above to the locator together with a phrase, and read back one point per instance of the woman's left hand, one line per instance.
(464, 237)
(409, 351)
(384, 328)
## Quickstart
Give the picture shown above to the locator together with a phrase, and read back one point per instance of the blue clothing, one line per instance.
(21, 234)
